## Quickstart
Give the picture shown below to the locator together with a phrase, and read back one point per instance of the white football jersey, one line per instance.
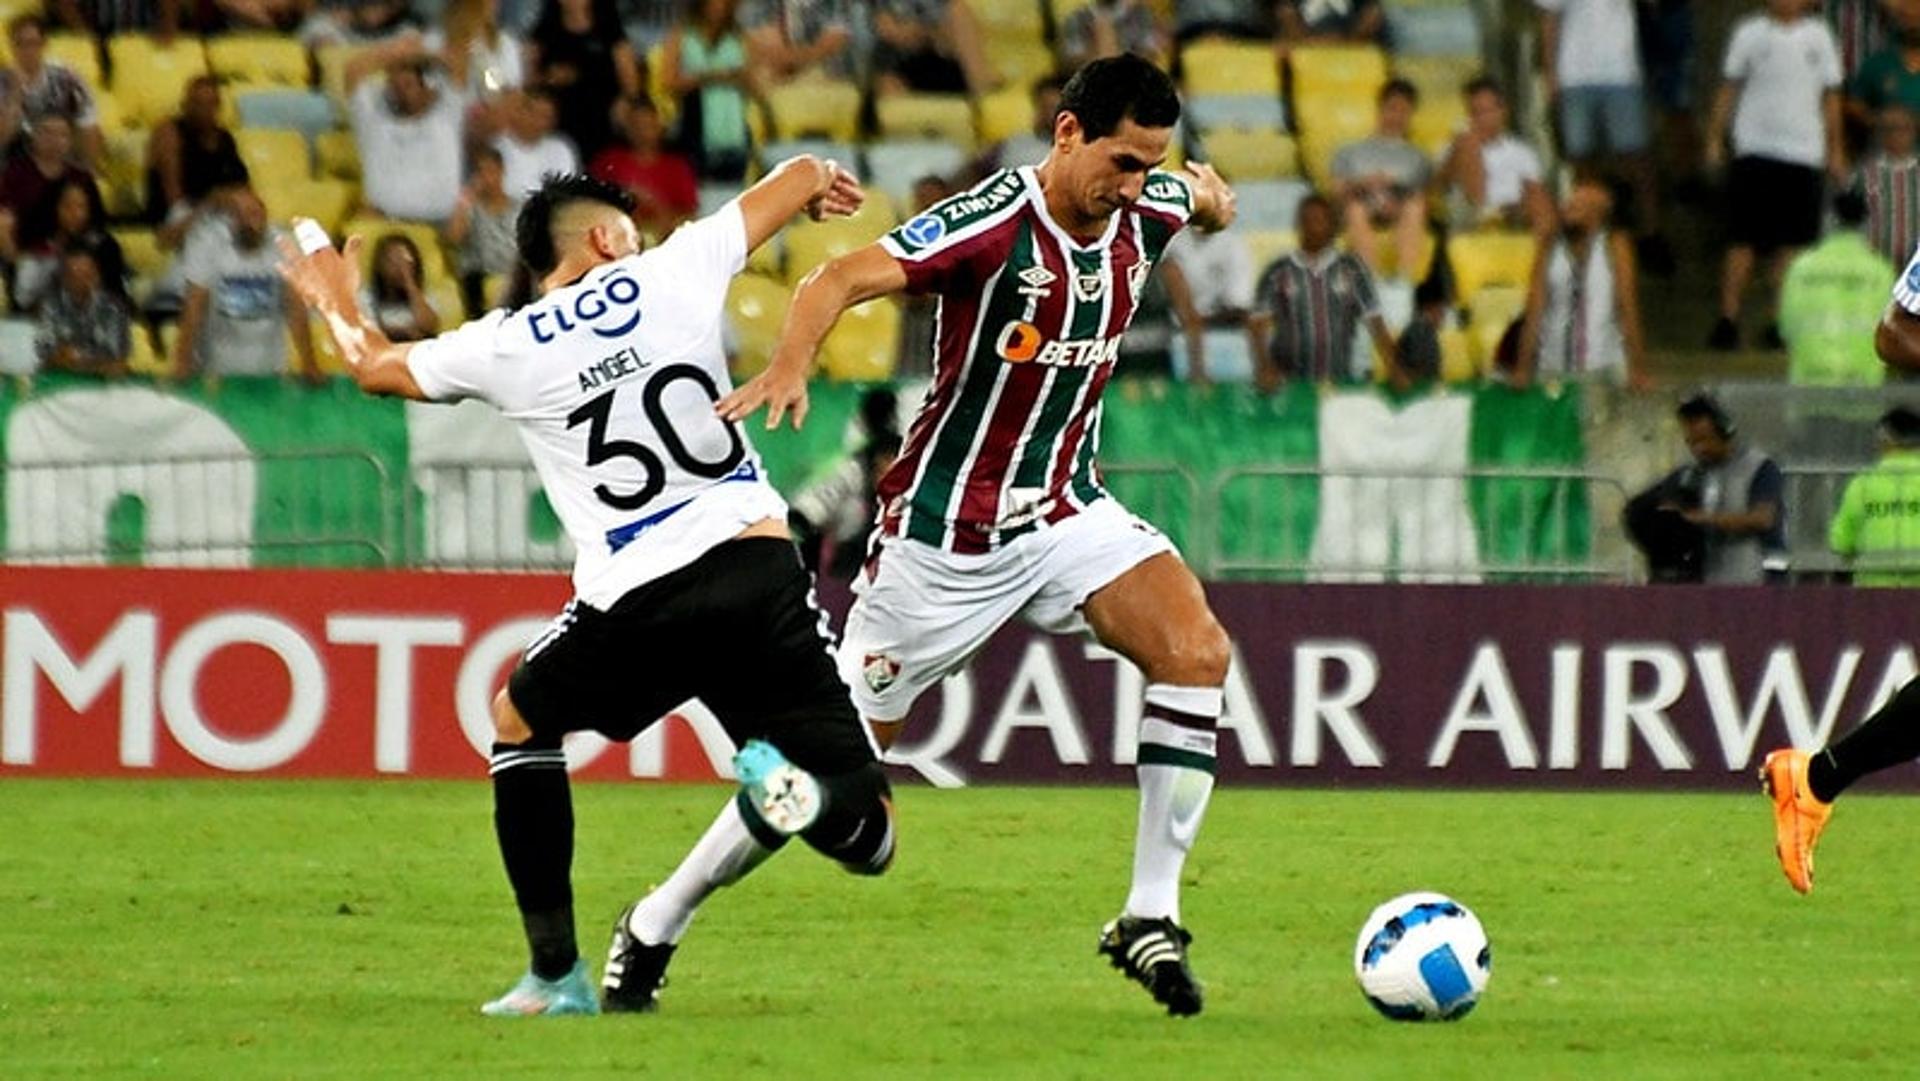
(612, 382)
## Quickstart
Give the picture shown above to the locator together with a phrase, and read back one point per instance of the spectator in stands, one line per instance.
(85, 327)
(1590, 62)
(104, 18)
(396, 296)
(239, 313)
(580, 53)
(1382, 182)
(273, 16)
(1583, 306)
(35, 88)
(1878, 523)
(1667, 49)
(1780, 97)
(650, 22)
(528, 144)
(661, 180)
(191, 154)
(1210, 282)
(1245, 19)
(348, 22)
(1419, 350)
(1889, 75)
(1308, 305)
(1890, 180)
(1106, 28)
(1494, 177)
(917, 311)
(1830, 302)
(1330, 22)
(409, 130)
(1030, 147)
(30, 183)
(1741, 506)
(481, 230)
(1860, 29)
(929, 47)
(79, 224)
(706, 67)
(479, 56)
(792, 38)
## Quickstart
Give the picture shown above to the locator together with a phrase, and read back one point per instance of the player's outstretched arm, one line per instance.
(824, 293)
(805, 183)
(1213, 201)
(1897, 338)
(328, 281)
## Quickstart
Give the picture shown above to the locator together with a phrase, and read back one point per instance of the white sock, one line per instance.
(1177, 740)
(725, 854)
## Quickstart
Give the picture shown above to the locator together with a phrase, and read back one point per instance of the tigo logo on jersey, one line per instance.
(1019, 342)
(610, 308)
(924, 230)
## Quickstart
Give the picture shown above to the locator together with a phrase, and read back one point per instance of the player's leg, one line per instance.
(1804, 785)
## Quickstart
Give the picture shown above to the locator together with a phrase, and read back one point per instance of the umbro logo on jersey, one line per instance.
(1038, 276)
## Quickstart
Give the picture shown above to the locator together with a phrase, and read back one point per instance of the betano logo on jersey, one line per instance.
(1022, 343)
(610, 308)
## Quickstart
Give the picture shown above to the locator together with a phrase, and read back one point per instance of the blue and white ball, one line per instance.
(1422, 957)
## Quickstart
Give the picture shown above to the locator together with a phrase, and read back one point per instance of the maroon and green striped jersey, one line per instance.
(1028, 329)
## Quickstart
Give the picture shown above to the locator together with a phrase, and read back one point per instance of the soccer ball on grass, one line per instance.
(1422, 957)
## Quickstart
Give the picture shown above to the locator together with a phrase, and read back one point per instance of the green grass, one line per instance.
(330, 930)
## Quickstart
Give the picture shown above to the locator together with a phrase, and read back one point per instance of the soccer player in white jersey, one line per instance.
(1803, 785)
(994, 508)
(686, 584)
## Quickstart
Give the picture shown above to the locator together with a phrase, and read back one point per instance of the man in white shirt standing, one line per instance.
(529, 149)
(1493, 177)
(686, 584)
(409, 128)
(1590, 62)
(1781, 97)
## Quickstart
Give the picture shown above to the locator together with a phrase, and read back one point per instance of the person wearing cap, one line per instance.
(1878, 524)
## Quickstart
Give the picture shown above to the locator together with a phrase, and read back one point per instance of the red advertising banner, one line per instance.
(356, 674)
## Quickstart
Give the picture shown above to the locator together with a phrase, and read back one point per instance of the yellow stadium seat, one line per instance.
(1266, 245)
(1490, 310)
(146, 358)
(273, 155)
(1483, 259)
(141, 250)
(123, 175)
(1008, 18)
(863, 346)
(664, 101)
(493, 290)
(1252, 155)
(1436, 123)
(326, 201)
(370, 230)
(337, 155)
(259, 60)
(817, 108)
(1358, 70)
(948, 117)
(1436, 77)
(445, 297)
(81, 52)
(756, 307)
(1456, 357)
(1005, 113)
(148, 77)
(810, 245)
(1389, 255)
(332, 62)
(1021, 61)
(1063, 8)
(1224, 67)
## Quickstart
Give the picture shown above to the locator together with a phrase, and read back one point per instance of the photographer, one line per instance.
(1719, 519)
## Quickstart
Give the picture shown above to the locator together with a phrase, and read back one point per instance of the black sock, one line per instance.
(533, 820)
(1889, 737)
(855, 828)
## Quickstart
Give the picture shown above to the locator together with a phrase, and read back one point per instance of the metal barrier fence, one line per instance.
(1813, 497)
(341, 508)
(318, 507)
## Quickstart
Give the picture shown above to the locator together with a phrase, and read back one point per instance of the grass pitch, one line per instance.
(202, 930)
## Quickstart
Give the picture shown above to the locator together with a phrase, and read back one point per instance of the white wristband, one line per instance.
(310, 235)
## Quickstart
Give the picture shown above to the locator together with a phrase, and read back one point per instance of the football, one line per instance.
(1422, 957)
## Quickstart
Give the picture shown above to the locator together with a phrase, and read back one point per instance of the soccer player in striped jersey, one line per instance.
(994, 509)
(686, 584)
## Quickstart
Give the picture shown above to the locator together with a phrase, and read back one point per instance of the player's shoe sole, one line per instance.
(1153, 953)
(1798, 817)
(571, 994)
(635, 973)
(787, 797)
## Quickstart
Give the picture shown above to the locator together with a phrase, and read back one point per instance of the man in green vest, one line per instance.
(1831, 301)
(1878, 524)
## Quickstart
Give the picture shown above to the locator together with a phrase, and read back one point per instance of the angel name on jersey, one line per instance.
(612, 368)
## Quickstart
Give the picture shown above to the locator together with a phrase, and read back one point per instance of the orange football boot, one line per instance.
(1798, 817)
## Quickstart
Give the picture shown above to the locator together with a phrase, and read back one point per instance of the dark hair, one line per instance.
(24, 21)
(1483, 84)
(381, 290)
(1900, 425)
(1400, 88)
(533, 232)
(1702, 406)
(1124, 87)
(1312, 198)
(1850, 206)
(487, 152)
